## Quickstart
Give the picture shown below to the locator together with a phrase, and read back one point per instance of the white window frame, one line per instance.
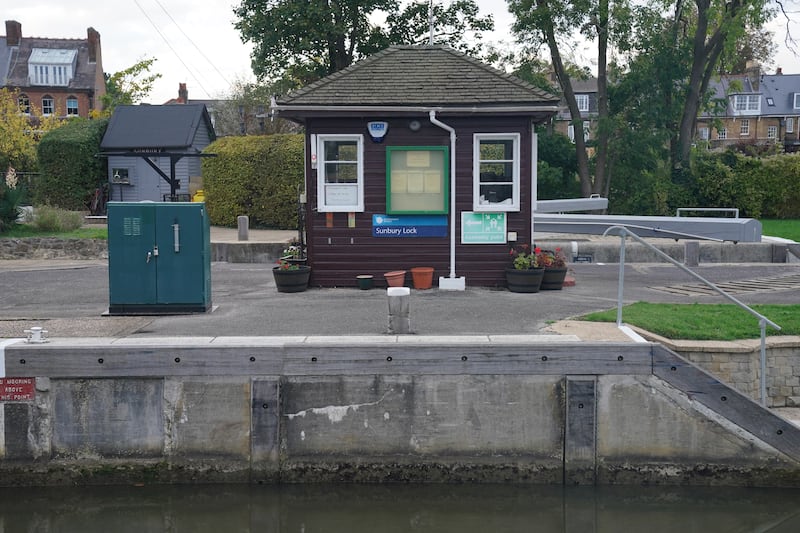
(358, 205)
(722, 133)
(476, 174)
(72, 111)
(772, 132)
(702, 133)
(586, 131)
(797, 100)
(583, 102)
(744, 127)
(790, 125)
(52, 107)
(746, 104)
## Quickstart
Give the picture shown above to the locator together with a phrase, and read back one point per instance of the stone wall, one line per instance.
(738, 364)
(53, 248)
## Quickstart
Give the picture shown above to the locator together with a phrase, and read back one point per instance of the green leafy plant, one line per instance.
(54, 219)
(11, 195)
(524, 257)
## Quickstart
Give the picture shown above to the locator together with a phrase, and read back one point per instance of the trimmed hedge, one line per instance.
(761, 187)
(257, 176)
(70, 172)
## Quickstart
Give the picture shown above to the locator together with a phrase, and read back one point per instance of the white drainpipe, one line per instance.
(452, 283)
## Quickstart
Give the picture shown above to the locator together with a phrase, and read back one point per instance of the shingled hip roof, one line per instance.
(419, 76)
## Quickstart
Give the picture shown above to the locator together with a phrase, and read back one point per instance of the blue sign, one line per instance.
(409, 226)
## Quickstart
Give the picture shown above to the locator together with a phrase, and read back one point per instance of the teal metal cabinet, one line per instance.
(159, 258)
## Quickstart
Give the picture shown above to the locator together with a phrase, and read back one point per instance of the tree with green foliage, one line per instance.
(245, 111)
(302, 41)
(20, 132)
(547, 23)
(129, 86)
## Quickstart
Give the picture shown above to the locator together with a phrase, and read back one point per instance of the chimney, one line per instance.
(753, 71)
(779, 72)
(94, 44)
(13, 33)
(183, 93)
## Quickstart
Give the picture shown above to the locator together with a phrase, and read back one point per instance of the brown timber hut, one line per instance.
(418, 156)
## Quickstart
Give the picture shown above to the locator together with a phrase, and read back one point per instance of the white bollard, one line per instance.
(399, 310)
(243, 222)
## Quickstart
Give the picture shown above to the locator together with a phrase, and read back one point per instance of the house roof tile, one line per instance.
(419, 76)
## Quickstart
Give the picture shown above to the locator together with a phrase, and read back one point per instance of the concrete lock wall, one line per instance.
(360, 413)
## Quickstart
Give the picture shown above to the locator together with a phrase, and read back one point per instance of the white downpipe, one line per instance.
(453, 213)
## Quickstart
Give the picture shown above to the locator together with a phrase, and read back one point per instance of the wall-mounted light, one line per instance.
(414, 125)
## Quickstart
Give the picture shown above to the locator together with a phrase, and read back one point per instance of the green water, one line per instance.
(397, 508)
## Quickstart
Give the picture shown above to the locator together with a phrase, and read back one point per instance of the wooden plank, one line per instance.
(703, 387)
(580, 441)
(311, 359)
(264, 430)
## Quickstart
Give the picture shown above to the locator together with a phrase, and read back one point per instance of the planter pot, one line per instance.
(422, 277)
(365, 281)
(291, 280)
(395, 278)
(524, 280)
(553, 279)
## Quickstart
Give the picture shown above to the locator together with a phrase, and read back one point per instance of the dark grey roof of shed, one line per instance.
(155, 126)
(419, 76)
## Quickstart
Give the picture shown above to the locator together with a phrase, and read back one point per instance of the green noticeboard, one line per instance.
(483, 228)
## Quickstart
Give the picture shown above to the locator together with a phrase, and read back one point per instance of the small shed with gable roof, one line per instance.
(418, 156)
(154, 151)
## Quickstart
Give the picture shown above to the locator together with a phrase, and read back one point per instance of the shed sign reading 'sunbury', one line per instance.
(17, 389)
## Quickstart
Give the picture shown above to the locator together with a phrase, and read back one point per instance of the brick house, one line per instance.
(61, 77)
(755, 108)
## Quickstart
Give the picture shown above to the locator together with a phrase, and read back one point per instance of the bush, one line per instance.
(53, 219)
(255, 176)
(11, 195)
(70, 172)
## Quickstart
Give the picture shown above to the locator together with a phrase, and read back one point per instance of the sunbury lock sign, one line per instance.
(483, 228)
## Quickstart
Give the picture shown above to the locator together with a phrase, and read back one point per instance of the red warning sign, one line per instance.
(17, 389)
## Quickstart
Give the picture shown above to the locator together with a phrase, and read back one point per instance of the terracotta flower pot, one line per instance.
(422, 277)
(395, 278)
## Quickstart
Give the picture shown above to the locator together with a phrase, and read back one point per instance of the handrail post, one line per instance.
(763, 361)
(621, 284)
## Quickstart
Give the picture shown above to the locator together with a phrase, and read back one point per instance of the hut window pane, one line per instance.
(496, 172)
(340, 173)
(417, 179)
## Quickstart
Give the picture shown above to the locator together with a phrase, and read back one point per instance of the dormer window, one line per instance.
(51, 67)
(746, 104)
(797, 100)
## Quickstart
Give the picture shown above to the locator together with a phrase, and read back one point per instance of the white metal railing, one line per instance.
(762, 320)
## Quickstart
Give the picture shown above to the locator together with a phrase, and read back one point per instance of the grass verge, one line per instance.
(722, 322)
(22, 231)
(787, 229)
